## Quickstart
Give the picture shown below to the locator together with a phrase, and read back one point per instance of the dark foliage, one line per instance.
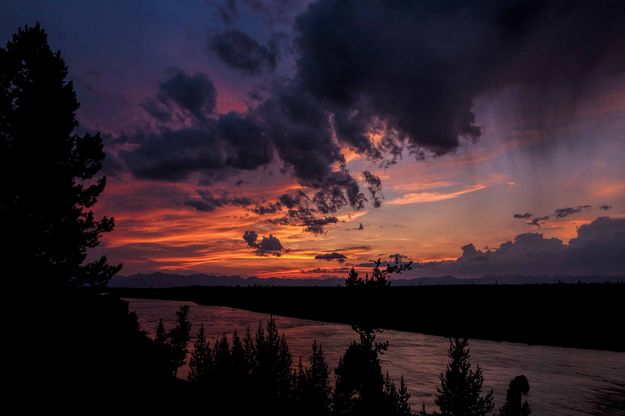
(515, 405)
(312, 385)
(466, 305)
(460, 393)
(380, 276)
(48, 174)
(361, 389)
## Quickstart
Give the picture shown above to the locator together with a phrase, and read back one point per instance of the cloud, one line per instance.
(228, 10)
(538, 221)
(266, 208)
(250, 238)
(565, 212)
(398, 257)
(209, 201)
(331, 257)
(307, 218)
(605, 207)
(238, 50)
(425, 197)
(374, 185)
(597, 249)
(525, 216)
(338, 190)
(193, 95)
(268, 246)
(419, 66)
(230, 142)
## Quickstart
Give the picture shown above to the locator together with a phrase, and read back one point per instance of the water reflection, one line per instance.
(563, 381)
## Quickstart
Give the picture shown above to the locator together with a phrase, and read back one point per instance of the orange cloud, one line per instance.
(425, 197)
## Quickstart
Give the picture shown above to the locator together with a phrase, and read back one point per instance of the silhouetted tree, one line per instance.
(312, 385)
(359, 387)
(398, 399)
(353, 280)
(47, 172)
(178, 337)
(515, 405)
(380, 276)
(161, 336)
(460, 393)
(201, 362)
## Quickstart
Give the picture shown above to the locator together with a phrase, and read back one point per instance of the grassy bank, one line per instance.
(579, 315)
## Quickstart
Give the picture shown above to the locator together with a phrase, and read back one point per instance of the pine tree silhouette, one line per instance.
(312, 384)
(201, 362)
(460, 393)
(353, 280)
(178, 337)
(47, 172)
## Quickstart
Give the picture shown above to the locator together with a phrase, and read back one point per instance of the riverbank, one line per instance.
(580, 315)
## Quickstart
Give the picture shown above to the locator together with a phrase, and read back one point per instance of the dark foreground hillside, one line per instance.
(579, 315)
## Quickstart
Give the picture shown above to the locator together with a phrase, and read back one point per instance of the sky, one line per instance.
(303, 138)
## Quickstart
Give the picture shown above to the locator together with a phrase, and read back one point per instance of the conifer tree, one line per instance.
(460, 393)
(201, 362)
(179, 335)
(48, 173)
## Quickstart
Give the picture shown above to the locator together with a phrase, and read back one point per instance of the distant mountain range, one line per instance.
(163, 280)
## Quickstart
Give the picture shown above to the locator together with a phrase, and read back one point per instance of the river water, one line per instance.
(563, 381)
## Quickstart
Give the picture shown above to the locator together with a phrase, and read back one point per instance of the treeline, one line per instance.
(254, 373)
(559, 315)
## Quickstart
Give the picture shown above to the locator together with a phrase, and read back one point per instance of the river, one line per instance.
(563, 381)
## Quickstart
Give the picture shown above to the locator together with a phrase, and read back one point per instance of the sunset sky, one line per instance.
(301, 138)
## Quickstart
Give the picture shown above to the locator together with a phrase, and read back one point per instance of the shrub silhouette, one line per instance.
(48, 173)
(460, 393)
(515, 405)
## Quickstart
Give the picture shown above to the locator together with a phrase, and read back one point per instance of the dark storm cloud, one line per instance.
(294, 199)
(228, 10)
(407, 70)
(331, 257)
(232, 141)
(300, 130)
(250, 238)
(264, 208)
(538, 221)
(238, 50)
(338, 190)
(174, 154)
(194, 95)
(605, 207)
(267, 246)
(525, 216)
(246, 146)
(307, 218)
(418, 66)
(398, 258)
(374, 185)
(210, 201)
(565, 212)
(597, 249)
